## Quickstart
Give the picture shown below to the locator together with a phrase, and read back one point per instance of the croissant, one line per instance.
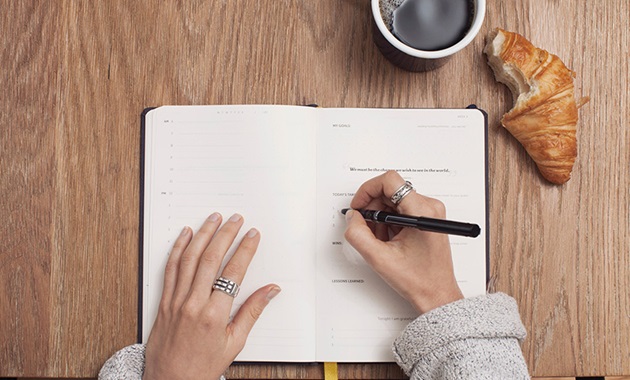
(545, 113)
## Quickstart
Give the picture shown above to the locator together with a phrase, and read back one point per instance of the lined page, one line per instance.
(258, 161)
(442, 152)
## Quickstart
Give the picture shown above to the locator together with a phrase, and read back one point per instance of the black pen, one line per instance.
(420, 222)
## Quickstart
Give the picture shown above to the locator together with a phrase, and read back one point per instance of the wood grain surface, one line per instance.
(76, 75)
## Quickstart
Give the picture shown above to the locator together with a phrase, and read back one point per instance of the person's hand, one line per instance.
(193, 337)
(417, 264)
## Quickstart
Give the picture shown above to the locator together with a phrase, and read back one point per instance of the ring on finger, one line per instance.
(402, 192)
(227, 286)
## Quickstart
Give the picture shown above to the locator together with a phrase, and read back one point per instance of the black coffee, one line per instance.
(432, 24)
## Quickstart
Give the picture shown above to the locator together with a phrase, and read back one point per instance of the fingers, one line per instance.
(190, 309)
(250, 311)
(360, 236)
(377, 190)
(376, 193)
(172, 265)
(236, 268)
(190, 257)
(195, 263)
(212, 258)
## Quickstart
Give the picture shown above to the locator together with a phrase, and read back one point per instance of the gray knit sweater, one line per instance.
(474, 338)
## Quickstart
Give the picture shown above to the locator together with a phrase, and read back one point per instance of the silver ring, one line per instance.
(401, 193)
(227, 286)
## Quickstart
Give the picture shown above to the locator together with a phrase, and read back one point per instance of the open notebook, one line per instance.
(289, 170)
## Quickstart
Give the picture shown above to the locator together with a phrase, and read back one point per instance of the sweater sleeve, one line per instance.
(473, 338)
(126, 364)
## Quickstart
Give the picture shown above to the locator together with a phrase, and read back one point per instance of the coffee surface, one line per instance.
(432, 24)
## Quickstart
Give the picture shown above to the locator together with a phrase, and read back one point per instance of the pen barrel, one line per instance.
(423, 223)
(448, 226)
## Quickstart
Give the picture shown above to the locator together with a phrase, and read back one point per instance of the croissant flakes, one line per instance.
(544, 116)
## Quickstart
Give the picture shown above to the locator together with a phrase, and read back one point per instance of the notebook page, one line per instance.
(442, 152)
(254, 160)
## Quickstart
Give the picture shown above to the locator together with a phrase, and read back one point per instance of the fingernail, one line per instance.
(349, 214)
(184, 232)
(273, 292)
(235, 218)
(214, 217)
(251, 233)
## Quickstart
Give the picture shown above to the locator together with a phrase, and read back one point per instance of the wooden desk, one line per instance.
(76, 75)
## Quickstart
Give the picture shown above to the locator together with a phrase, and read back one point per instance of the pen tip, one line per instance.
(345, 210)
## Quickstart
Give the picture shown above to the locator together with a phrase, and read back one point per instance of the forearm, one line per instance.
(474, 338)
(126, 364)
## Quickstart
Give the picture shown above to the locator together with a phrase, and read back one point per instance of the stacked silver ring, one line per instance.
(227, 286)
(401, 193)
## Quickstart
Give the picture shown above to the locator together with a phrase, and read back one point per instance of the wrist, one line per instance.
(437, 299)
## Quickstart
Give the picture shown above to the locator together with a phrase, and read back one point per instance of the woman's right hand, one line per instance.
(417, 264)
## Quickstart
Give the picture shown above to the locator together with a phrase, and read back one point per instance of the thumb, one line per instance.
(360, 236)
(251, 310)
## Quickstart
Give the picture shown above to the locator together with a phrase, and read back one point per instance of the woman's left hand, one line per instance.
(193, 337)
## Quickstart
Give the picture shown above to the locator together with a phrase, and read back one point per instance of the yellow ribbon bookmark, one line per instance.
(330, 371)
